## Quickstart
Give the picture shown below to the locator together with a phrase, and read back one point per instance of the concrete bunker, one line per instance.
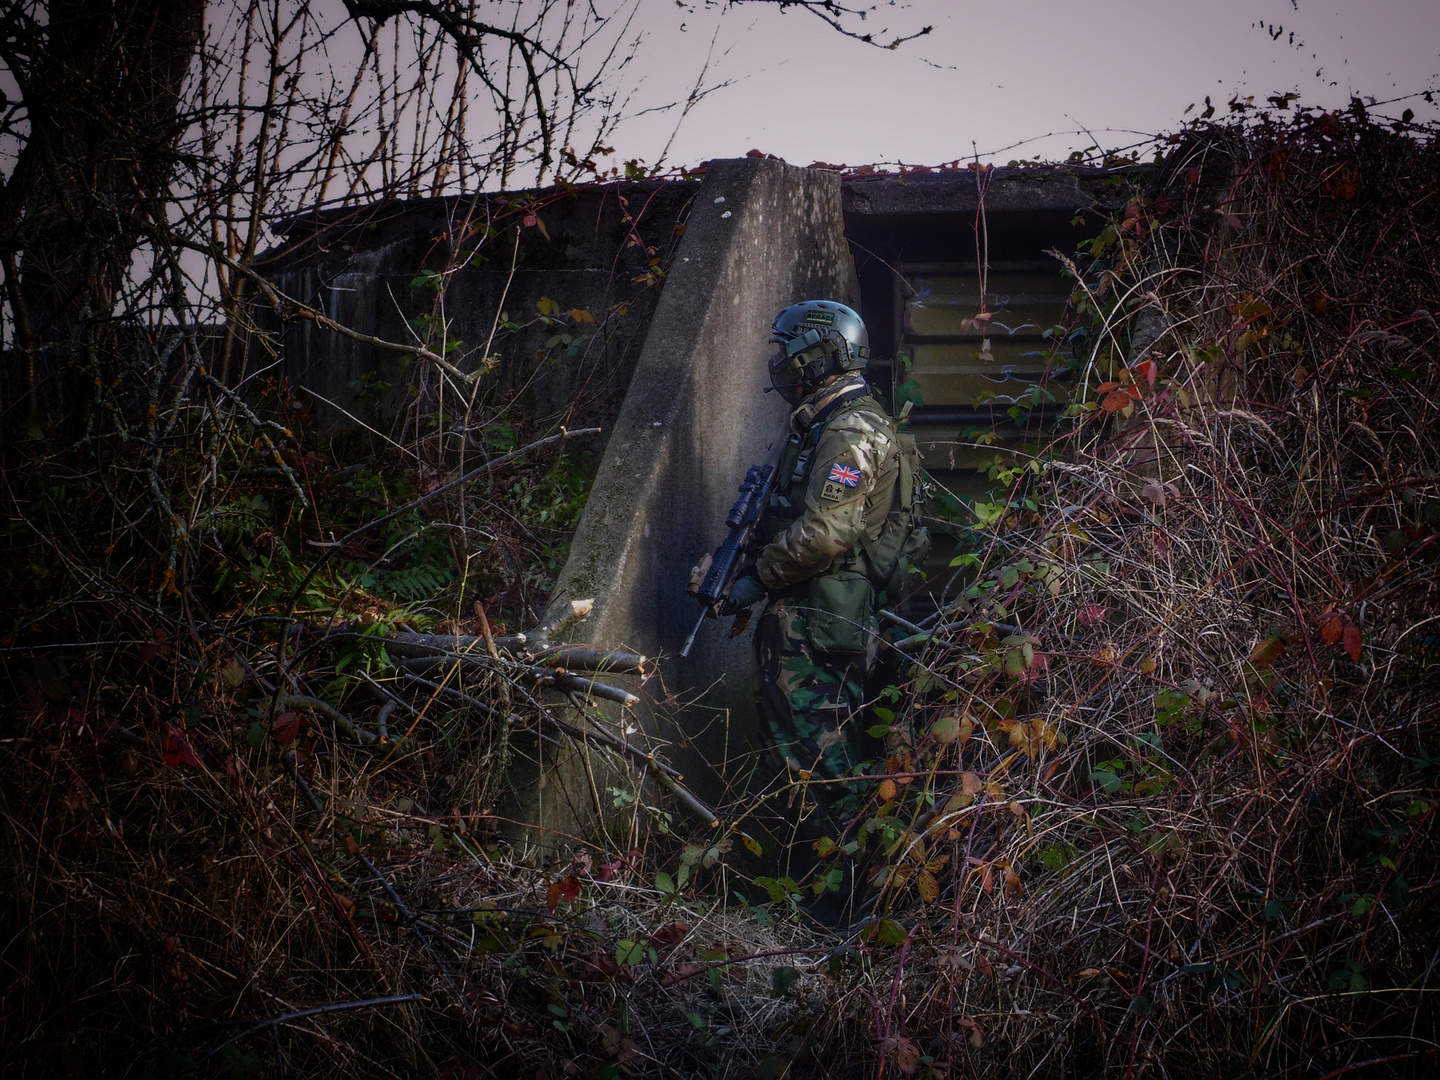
(678, 380)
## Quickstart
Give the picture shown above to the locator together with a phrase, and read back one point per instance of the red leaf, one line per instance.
(179, 752)
(1115, 401)
(1106, 387)
(530, 220)
(1040, 663)
(1332, 627)
(669, 934)
(552, 895)
(1147, 370)
(570, 889)
(1352, 640)
(1091, 615)
(286, 728)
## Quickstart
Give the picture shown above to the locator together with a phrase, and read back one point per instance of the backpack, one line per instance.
(896, 555)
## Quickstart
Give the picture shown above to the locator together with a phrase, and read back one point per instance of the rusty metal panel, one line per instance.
(958, 360)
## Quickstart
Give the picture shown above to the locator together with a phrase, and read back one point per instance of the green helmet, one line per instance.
(813, 340)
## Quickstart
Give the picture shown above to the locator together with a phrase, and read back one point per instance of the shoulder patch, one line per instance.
(832, 491)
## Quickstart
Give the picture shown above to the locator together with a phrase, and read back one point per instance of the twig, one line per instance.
(296, 1014)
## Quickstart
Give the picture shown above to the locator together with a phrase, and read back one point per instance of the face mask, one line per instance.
(786, 374)
(790, 359)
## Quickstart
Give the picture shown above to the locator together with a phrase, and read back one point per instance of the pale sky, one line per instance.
(1037, 71)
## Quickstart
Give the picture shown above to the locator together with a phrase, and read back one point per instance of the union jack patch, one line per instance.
(844, 474)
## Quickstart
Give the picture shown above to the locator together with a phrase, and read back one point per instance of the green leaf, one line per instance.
(1108, 781)
(629, 952)
(782, 979)
(1226, 980)
(665, 883)
(888, 932)
(1349, 979)
(1275, 910)
(1400, 892)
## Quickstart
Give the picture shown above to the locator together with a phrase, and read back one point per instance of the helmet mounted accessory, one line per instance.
(811, 341)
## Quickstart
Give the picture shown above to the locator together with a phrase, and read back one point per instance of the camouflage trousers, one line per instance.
(810, 703)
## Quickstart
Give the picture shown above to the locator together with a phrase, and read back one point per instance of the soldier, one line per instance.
(843, 514)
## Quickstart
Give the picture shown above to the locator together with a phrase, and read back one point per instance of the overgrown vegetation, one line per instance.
(1173, 800)
(1161, 783)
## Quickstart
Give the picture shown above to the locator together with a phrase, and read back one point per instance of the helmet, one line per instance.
(813, 340)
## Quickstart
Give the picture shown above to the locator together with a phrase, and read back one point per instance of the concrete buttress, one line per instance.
(760, 235)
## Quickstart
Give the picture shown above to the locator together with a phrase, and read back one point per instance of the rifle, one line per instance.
(725, 563)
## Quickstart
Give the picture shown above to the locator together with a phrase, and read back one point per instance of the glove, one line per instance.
(745, 592)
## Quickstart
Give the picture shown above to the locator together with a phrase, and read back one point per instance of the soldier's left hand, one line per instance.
(745, 592)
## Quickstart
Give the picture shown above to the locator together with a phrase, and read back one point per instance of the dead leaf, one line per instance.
(946, 729)
(927, 886)
(975, 1033)
(233, 674)
(287, 727)
(887, 790)
(1266, 652)
(1352, 640)
(1115, 401)
(907, 1056)
(1153, 492)
(610, 1038)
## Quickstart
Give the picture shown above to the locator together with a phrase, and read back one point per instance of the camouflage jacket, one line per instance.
(837, 480)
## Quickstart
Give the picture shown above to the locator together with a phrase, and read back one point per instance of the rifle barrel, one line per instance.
(689, 641)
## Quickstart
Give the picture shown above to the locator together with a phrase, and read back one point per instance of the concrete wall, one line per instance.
(761, 235)
(359, 267)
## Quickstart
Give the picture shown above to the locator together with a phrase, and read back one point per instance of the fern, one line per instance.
(417, 582)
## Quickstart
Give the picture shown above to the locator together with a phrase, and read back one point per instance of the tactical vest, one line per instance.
(893, 539)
